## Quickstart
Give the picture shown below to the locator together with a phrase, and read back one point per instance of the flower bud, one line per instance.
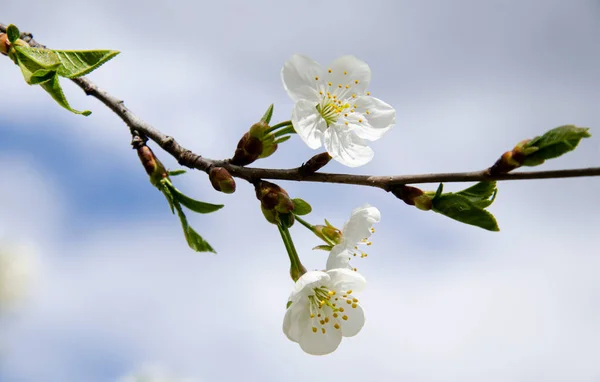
(154, 168)
(277, 202)
(315, 163)
(222, 180)
(258, 130)
(412, 196)
(4, 43)
(328, 234)
(248, 150)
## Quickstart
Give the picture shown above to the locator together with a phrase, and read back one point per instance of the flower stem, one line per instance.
(304, 222)
(296, 267)
(287, 130)
(278, 126)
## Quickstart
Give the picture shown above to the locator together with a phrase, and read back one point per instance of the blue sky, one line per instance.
(117, 288)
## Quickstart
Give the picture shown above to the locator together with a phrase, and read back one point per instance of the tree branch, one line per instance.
(189, 159)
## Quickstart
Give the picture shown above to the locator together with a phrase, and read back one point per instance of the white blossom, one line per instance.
(334, 108)
(355, 235)
(322, 309)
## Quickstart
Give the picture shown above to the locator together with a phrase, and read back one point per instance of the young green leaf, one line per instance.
(554, 143)
(194, 240)
(79, 63)
(462, 209)
(268, 114)
(480, 193)
(52, 86)
(38, 58)
(301, 207)
(167, 192)
(192, 204)
(41, 76)
(13, 33)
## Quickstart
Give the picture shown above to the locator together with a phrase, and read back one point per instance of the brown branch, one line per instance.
(189, 159)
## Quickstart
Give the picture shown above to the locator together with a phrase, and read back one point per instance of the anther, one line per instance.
(344, 317)
(337, 326)
(314, 329)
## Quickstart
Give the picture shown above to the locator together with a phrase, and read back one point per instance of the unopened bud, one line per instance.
(222, 180)
(248, 150)
(154, 168)
(409, 195)
(4, 43)
(258, 129)
(315, 163)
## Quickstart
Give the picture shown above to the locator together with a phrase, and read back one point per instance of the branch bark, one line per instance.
(189, 159)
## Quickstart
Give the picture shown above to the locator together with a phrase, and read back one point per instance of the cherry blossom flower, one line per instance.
(322, 309)
(355, 235)
(334, 108)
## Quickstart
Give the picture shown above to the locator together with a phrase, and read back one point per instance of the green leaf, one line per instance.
(37, 58)
(194, 240)
(176, 172)
(77, 63)
(268, 114)
(52, 86)
(301, 207)
(480, 193)
(41, 76)
(554, 143)
(170, 199)
(462, 209)
(323, 247)
(289, 303)
(192, 204)
(12, 33)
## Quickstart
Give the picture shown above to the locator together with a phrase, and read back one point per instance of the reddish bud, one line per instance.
(154, 168)
(315, 163)
(222, 180)
(4, 43)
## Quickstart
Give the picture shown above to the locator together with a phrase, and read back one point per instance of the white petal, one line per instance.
(355, 321)
(347, 148)
(357, 76)
(294, 321)
(345, 280)
(301, 77)
(319, 343)
(339, 257)
(378, 121)
(358, 227)
(306, 283)
(308, 123)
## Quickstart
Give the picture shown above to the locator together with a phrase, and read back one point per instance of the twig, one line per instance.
(189, 159)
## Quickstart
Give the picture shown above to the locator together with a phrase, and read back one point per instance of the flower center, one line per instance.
(327, 308)
(330, 109)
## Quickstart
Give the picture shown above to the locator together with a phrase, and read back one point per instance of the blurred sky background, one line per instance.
(117, 286)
